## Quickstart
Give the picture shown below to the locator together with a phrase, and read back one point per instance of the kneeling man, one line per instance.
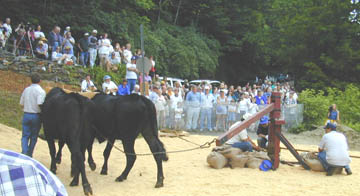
(333, 150)
(242, 139)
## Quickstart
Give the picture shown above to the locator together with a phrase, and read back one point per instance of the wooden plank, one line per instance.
(243, 125)
(292, 149)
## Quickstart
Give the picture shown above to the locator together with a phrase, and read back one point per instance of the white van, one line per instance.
(171, 81)
(214, 83)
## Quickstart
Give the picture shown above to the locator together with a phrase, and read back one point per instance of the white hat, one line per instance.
(86, 34)
(67, 28)
(246, 93)
(94, 31)
(207, 88)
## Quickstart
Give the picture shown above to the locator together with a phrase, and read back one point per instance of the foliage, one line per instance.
(12, 112)
(300, 128)
(97, 74)
(317, 103)
(317, 42)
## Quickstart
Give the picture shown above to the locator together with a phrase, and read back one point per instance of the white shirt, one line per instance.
(38, 34)
(207, 101)
(127, 55)
(242, 136)
(8, 28)
(253, 108)
(244, 105)
(336, 148)
(110, 85)
(55, 56)
(85, 86)
(175, 100)
(104, 46)
(32, 97)
(130, 74)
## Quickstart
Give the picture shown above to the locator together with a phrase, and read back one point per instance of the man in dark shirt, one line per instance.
(262, 132)
(84, 47)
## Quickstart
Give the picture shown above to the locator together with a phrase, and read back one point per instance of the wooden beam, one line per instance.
(243, 125)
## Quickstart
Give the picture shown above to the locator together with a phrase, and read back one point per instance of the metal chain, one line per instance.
(205, 145)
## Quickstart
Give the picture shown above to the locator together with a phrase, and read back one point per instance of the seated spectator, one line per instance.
(112, 64)
(109, 87)
(41, 51)
(136, 90)
(67, 58)
(262, 132)
(87, 85)
(333, 150)
(123, 89)
(38, 33)
(56, 55)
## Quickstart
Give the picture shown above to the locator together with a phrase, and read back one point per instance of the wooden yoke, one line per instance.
(274, 128)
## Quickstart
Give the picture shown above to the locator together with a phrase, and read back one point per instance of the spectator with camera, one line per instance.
(41, 51)
(92, 47)
(68, 42)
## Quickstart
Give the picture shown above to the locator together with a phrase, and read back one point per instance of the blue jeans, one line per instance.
(84, 57)
(131, 83)
(324, 163)
(205, 115)
(261, 142)
(31, 125)
(244, 146)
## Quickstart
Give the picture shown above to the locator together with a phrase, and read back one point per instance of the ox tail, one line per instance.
(151, 115)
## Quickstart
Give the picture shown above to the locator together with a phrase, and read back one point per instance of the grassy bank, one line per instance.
(11, 111)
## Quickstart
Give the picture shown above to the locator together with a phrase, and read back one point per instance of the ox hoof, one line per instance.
(120, 179)
(87, 189)
(103, 172)
(92, 166)
(58, 160)
(75, 183)
(159, 184)
(53, 170)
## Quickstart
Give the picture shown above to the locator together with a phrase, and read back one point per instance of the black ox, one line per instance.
(124, 118)
(67, 117)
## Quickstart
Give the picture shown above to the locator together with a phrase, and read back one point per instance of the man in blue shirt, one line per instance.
(260, 98)
(193, 100)
(123, 89)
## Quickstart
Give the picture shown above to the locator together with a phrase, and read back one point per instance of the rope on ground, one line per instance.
(205, 145)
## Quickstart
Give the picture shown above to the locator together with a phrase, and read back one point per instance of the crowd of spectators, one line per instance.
(62, 48)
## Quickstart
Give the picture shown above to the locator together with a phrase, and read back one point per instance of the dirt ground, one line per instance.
(188, 173)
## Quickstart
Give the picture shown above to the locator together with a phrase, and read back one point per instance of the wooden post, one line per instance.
(275, 126)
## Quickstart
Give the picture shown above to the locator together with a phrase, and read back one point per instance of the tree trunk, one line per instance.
(159, 11)
(177, 12)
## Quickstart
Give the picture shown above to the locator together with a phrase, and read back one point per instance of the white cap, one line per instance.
(67, 28)
(246, 93)
(94, 31)
(207, 88)
(86, 34)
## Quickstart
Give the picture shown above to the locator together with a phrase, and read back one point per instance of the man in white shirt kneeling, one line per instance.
(333, 150)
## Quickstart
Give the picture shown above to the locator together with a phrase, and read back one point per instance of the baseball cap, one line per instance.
(264, 120)
(67, 28)
(94, 31)
(207, 88)
(86, 34)
(266, 165)
(133, 58)
(106, 77)
(330, 125)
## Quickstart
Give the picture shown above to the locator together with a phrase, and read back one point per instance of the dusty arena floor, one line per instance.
(188, 173)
